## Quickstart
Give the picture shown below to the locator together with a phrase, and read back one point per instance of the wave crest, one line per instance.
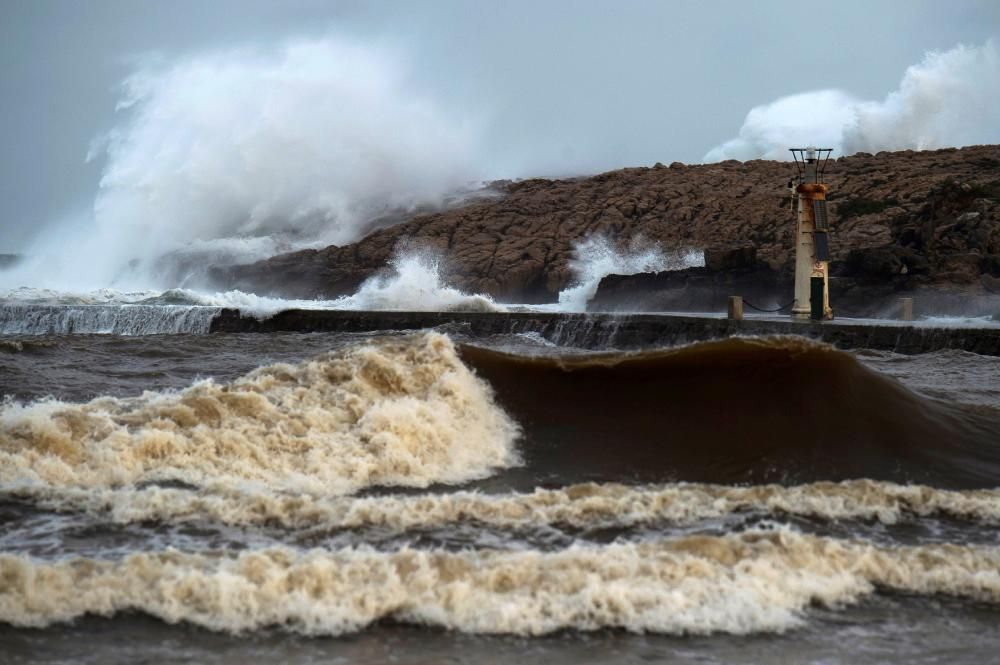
(761, 580)
(392, 412)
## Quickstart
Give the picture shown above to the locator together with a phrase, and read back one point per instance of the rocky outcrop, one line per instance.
(706, 289)
(945, 250)
(899, 220)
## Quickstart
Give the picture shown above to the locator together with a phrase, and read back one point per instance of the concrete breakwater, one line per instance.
(625, 331)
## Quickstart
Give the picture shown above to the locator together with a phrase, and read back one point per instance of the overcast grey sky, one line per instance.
(560, 85)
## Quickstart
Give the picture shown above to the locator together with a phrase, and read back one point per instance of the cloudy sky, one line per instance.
(551, 87)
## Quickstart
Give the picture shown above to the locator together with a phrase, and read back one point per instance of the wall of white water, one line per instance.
(233, 156)
(948, 99)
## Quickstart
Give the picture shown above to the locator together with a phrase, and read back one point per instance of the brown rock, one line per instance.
(743, 258)
(915, 206)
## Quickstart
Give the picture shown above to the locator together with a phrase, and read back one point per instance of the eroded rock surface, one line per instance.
(899, 220)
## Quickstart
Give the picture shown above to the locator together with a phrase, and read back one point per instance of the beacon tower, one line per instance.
(812, 250)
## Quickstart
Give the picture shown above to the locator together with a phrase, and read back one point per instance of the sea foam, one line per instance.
(759, 580)
(588, 505)
(395, 412)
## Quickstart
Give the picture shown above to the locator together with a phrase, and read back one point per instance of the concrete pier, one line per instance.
(626, 331)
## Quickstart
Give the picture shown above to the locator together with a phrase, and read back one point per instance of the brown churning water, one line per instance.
(741, 410)
(766, 486)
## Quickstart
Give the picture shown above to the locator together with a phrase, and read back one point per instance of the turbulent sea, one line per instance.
(423, 497)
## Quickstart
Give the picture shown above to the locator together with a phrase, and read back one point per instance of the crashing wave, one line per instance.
(396, 412)
(759, 580)
(16, 319)
(414, 284)
(595, 258)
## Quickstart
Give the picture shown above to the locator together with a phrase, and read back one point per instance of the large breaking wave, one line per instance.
(313, 448)
(416, 410)
(949, 99)
(404, 412)
(232, 156)
(737, 410)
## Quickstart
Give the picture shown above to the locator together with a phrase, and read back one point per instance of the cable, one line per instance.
(760, 309)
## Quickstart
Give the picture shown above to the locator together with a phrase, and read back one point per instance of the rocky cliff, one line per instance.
(899, 220)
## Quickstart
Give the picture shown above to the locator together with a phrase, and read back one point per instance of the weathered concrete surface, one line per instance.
(623, 331)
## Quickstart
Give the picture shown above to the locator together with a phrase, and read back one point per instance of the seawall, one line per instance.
(625, 331)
